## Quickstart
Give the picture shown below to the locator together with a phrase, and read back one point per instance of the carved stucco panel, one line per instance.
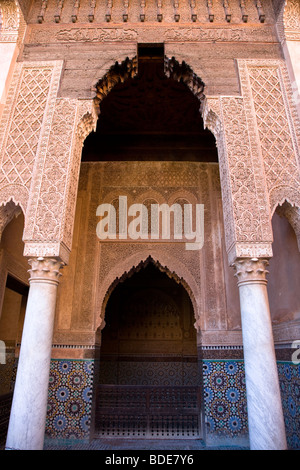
(24, 129)
(85, 122)
(49, 213)
(53, 218)
(213, 120)
(7, 213)
(291, 19)
(246, 214)
(10, 14)
(266, 87)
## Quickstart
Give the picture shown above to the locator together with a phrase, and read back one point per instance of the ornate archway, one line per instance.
(172, 267)
(149, 381)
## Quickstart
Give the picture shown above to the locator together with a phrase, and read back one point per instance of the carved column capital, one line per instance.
(45, 270)
(251, 270)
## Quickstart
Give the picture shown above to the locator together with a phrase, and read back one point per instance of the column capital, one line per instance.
(251, 270)
(45, 269)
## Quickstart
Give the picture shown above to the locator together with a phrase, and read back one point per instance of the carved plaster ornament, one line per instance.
(118, 73)
(7, 213)
(183, 73)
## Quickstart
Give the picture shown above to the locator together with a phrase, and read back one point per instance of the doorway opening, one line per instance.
(151, 116)
(149, 383)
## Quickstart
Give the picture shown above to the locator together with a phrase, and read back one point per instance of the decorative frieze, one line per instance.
(218, 11)
(41, 34)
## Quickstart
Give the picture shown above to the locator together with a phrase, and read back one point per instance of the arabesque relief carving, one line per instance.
(65, 126)
(267, 87)
(10, 14)
(24, 128)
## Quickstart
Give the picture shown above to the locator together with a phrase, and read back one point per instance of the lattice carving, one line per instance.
(51, 198)
(24, 128)
(22, 141)
(246, 215)
(52, 225)
(277, 130)
(242, 180)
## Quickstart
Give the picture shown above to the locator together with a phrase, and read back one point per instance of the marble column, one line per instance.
(29, 407)
(265, 416)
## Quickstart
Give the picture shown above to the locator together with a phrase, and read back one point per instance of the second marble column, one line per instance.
(265, 416)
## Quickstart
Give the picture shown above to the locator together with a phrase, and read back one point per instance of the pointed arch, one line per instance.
(133, 264)
(292, 214)
(7, 212)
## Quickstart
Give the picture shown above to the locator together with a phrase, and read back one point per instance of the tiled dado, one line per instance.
(289, 379)
(71, 389)
(70, 399)
(225, 401)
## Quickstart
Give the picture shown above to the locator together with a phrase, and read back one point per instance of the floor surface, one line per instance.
(138, 444)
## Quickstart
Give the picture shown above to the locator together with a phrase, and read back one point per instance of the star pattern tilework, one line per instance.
(70, 399)
(225, 398)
